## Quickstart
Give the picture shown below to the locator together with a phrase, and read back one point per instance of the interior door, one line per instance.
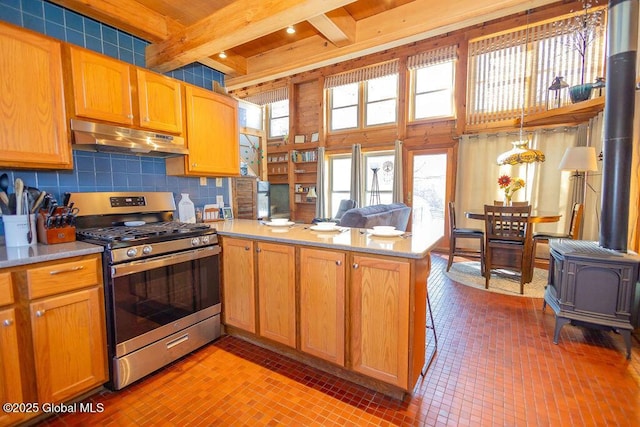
(431, 181)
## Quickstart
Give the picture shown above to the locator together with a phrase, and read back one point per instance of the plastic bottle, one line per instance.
(186, 209)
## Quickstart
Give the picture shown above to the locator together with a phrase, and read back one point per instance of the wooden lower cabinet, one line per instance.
(277, 292)
(239, 295)
(10, 382)
(68, 344)
(322, 304)
(379, 307)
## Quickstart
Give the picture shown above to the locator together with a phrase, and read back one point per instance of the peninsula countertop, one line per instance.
(24, 255)
(415, 246)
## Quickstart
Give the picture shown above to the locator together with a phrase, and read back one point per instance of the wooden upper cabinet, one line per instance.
(379, 306)
(160, 102)
(212, 136)
(33, 123)
(101, 87)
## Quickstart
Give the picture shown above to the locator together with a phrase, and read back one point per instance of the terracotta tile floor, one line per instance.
(496, 366)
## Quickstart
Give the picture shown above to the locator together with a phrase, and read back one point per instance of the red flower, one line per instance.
(504, 181)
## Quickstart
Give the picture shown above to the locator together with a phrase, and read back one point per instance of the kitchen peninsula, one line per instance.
(343, 301)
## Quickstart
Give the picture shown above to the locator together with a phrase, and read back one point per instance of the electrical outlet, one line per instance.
(203, 181)
(218, 182)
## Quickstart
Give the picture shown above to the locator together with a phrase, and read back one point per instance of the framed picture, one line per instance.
(298, 139)
(314, 137)
(227, 213)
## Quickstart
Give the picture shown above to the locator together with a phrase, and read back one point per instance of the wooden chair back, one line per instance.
(507, 223)
(501, 203)
(452, 216)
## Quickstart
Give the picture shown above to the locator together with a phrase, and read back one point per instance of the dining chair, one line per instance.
(508, 241)
(573, 232)
(501, 203)
(456, 233)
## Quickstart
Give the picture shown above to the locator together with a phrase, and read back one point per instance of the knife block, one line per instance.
(53, 235)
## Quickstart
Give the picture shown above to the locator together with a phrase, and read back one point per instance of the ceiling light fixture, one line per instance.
(222, 55)
(290, 30)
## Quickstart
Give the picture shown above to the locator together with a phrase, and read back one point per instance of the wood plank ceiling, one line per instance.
(252, 32)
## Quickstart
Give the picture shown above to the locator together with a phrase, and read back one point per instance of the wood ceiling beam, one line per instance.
(337, 26)
(232, 65)
(417, 20)
(127, 15)
(237, 23)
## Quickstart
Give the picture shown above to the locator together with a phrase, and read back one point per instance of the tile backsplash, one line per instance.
(101, 171)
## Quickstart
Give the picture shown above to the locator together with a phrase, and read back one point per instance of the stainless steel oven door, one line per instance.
(153, 298)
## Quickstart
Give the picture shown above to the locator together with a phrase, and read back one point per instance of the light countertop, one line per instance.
(351, 239)
(23, 255)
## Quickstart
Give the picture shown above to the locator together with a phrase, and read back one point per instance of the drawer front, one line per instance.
(56, 278)
(6, 290)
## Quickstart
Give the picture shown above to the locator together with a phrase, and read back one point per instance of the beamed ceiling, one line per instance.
(252, 32)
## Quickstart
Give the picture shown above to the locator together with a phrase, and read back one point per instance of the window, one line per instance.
(432, 76)
(363, 98)
(340, 178)
(278, 119)
(512, 71)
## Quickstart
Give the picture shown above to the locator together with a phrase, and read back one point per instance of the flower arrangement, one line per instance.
(510, 186)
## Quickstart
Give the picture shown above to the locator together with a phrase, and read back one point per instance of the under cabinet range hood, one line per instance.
(91, 136)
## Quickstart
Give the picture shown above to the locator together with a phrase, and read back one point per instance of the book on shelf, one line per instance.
(304, 156)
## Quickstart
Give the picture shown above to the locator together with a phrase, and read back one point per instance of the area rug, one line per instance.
(503, 282)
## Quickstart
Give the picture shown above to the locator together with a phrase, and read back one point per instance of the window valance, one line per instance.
(362, 74)
(433, 57)
(269, 97)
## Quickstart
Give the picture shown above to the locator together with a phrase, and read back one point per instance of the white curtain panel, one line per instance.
(398, 196)
(547, 188)
(356, 175)
(321, 200)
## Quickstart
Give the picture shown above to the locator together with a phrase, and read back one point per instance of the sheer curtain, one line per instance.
(398, 196)
(547, 188)
(356, 175)
(321, 189)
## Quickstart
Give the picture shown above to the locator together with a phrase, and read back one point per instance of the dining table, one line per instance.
(536, 217)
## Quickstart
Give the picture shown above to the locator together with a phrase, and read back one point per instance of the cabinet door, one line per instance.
(10, 382)
(238, 284)
(322, 304)
(160, 102)
(33, 123)
(212, 129)
(101, 87)
(277, 292)
(379, 302)
(69, 344)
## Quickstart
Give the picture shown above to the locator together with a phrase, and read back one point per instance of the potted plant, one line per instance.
(583, 29)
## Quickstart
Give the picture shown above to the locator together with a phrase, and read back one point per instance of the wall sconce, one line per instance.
(556, 87)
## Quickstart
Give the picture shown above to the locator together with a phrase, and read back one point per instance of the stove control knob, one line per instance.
(195, 241)
(132, 252)
(146, 250)
(205, 240)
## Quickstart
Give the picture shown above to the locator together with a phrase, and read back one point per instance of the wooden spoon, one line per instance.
(19, 188)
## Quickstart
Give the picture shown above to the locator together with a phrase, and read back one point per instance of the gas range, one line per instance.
(136, 225)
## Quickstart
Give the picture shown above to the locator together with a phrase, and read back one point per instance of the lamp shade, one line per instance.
(519, 154)
(312, 192)
(581, 159)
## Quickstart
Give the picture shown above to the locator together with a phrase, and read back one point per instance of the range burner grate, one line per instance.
(125, 233)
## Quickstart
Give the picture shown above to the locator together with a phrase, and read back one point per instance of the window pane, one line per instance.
(279, 127)
(279, 109)
(341, 174)
(381, 112)
(344, 118)
(434, 104)
(382, 88)
(434, 77)
(342, 96)
(384, 164)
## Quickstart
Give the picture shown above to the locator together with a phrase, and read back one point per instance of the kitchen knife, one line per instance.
(38, 202)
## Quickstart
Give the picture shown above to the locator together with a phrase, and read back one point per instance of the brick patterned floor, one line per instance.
(496, 366)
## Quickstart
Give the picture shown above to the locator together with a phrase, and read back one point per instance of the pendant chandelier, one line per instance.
(521, 153)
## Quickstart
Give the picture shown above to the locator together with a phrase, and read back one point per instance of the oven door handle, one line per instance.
(163, 261)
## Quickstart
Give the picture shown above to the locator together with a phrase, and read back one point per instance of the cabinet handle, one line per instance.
(258, 250)
(40, 313)
(193, 165)
(130, 116)
(355, 265)
(146, 119)
(67, 270)
(246, 248)
(7, 322)
(338, 263)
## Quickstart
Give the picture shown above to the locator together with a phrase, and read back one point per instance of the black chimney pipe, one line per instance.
(618, 123)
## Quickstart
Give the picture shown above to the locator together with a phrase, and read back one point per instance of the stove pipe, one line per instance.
(618, 123)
